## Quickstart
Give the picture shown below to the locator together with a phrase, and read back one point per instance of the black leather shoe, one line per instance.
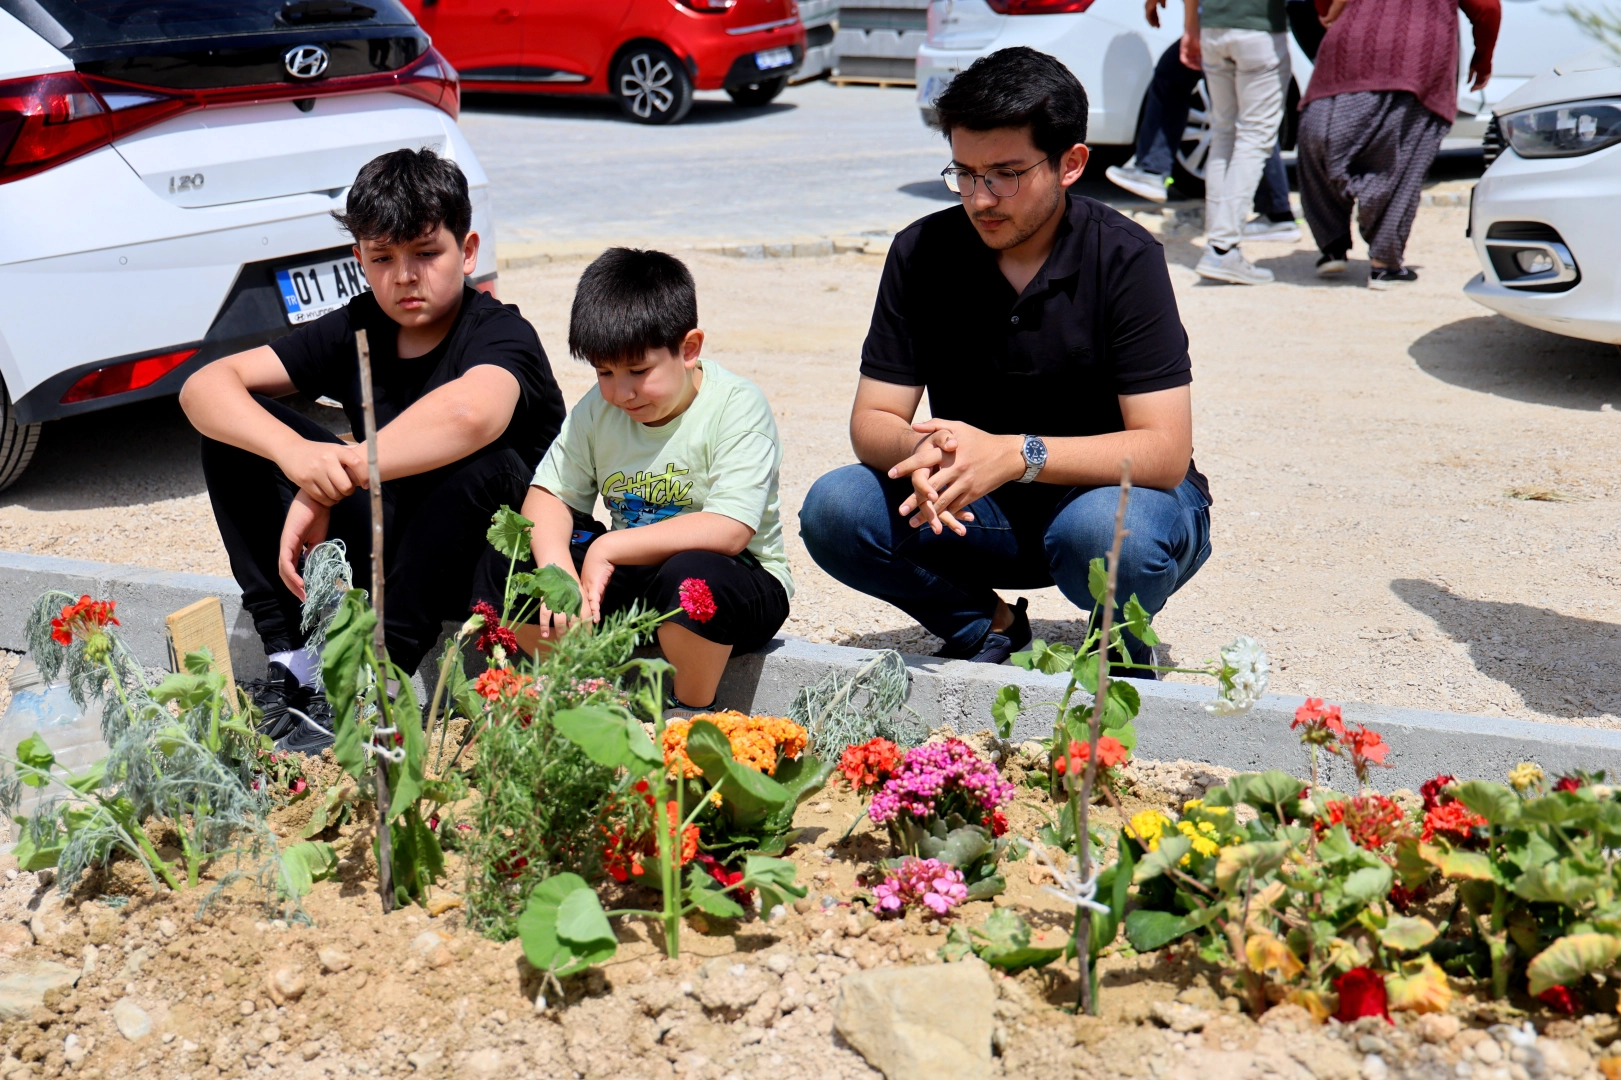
(1000, 645)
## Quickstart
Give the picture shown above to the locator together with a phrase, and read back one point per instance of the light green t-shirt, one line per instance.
(721, 456)
(1265, 15)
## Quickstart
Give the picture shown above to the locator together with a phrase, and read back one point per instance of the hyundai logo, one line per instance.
(306, 61)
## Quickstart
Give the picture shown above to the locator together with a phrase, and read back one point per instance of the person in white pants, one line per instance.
(1244, 51)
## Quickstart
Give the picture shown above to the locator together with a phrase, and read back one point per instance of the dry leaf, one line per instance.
(1540, 494)
(1320, 1005)
(1271, 956)
(1420, 986)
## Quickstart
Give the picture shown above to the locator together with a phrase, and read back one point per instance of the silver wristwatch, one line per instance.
(1035, 456)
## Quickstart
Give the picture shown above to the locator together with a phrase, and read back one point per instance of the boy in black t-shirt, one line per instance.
(466, 406)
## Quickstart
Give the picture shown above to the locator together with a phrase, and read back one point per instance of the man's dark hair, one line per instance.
(629, 301)
(1014, 88)
(405, 194)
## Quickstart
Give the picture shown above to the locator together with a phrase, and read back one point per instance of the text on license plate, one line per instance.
(767, 59)
(310, 290)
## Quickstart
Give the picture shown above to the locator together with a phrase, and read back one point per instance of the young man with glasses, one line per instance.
(1043, 326)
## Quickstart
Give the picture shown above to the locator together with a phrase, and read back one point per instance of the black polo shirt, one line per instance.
(1098, 321)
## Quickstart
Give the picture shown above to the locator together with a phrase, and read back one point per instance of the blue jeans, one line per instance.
(1023, 536)
(1165, 116)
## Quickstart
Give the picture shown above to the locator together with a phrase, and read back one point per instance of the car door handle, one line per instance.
(505, 15)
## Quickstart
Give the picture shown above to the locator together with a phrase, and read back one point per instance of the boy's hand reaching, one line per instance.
(306, 526)
(326, 472)
(595, 571)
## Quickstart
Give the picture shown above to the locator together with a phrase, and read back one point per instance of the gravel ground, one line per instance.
(1362, 447)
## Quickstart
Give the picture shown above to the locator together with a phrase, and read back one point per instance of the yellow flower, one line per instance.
(1525, 775)
(757, 741)
(1202, 843)
(1148, 826)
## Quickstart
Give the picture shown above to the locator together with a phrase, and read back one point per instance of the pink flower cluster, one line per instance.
(929, 882)
(934, 771)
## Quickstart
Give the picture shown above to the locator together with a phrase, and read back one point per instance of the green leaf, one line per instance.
(547, 945)
(336, 796)
(1006, 710)
(302, 865)
(1467, 865)
(1366, 885)
(1163, 858)
(1114, 887)
(1268, 791)
(405, 779)
(1241, 863)
(1559, 882)
(1003, 941)
(342, 664)
(1097, 580)
(509, 534)
(1570, 958)
(1049, 659)
(552, 586)
(1138, 621)
(986, 887)
(958, 944)
(961, 848)
(610, 736)
(1497, 803)
(89, 780)
(419, 861)
(33, 753)
(1407, 933)
(801, 777)
(750, 796)
(703, 894)
(1150, 930)
(31, 856)
(774, 878)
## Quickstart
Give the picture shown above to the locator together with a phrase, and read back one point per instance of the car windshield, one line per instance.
(91, 23)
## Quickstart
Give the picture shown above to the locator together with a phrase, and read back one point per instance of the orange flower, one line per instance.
(1111, 752)
(83, 620)
(757, 741)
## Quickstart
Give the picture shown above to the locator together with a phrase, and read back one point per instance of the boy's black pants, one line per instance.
(750, 604)
(434, 527)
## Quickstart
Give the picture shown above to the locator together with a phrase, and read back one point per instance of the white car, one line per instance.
(1544, 218)
(168, 169)
(1110, 47)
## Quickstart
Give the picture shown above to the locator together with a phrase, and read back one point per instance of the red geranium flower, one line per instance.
(1365, 748)
(1402, 898)
(1111, 752)
(696, 600)
(869, 764)
(1454, 819)
(1434, 790)
(1560, 999)
(82, 620)
(1567, 783)
(1322, 722)
(1362, 993)
(299, 786)
(998, 823)
(1372, 820)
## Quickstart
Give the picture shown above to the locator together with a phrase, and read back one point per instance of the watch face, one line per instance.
(1035, 451)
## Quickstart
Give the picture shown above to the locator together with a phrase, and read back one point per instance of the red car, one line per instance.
(649, 55)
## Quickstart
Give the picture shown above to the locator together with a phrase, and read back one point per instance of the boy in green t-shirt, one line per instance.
(685, 455)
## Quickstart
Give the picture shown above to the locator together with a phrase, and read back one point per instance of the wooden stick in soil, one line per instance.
(385, 842)
(1083, 927)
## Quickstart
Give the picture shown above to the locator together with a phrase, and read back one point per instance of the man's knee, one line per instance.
(836, 507)
(1084, 530)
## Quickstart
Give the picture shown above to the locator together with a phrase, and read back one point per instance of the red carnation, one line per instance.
(696, 600)
(1560, 999)
(1362, 993)
(1567, 783)
(493, 633)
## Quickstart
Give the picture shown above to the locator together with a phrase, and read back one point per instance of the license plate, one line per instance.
(930, 89)
(767, 59)
(310, 290)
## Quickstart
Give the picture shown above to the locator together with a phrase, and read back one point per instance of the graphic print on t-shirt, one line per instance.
(647, 497)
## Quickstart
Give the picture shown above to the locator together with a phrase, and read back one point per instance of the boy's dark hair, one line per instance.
(405, 194)
(629, 301)
(1013, 88)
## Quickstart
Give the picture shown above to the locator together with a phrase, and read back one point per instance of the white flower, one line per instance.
(1071, 889)
(1243, 677)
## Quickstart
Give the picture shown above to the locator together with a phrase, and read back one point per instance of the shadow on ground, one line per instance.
(1559, 664)
(126, 456)
(917, 641)
(1498, 356)
(560, 107)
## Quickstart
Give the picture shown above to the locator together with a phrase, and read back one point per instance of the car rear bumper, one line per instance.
(746, 72)
(1575, 198)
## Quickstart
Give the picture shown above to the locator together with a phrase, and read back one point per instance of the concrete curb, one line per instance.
(1173, 722)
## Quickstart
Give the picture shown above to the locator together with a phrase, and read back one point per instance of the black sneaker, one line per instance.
(999, 645)
(1383, 277)
(312, 731)
(1331, 265)
(275, 694)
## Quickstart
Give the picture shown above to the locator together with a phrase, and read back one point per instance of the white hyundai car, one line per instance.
(1110, 47)
(168, 169)
(1546, 217)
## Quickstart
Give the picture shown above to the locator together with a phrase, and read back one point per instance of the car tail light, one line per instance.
(1038, 7)
(708, 5)
(127, 376)
(48, 119)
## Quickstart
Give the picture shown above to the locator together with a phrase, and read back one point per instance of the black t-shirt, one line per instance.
(1099, 320)
(320, 358)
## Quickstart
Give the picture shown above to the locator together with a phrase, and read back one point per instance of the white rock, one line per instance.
(1374, 1068)
(167, 928)
(779, 963)
(920, 1023)
(333, 960)
(132, 1021)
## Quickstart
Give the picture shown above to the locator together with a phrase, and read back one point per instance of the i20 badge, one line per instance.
(306, 61)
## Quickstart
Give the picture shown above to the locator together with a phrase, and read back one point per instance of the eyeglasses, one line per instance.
(1002, 183)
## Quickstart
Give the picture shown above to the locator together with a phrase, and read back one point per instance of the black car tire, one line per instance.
(17, 441)
(652, 86)
(763, 92)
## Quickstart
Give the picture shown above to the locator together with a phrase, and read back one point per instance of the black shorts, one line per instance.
(750, 603)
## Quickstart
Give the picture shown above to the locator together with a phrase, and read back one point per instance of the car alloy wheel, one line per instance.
(652, 86)
(17, 441)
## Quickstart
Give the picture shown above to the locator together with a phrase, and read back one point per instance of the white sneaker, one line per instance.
(1261, 228)
(1232, 268)
(1144, 185)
